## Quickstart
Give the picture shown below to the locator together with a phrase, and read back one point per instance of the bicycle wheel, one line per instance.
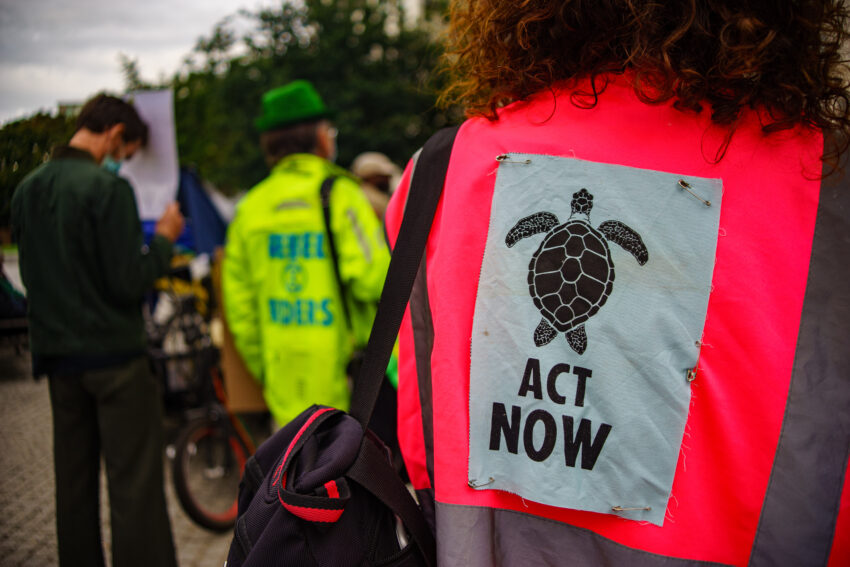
(208, 463)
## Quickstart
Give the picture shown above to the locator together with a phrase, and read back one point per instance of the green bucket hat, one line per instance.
(290, 104)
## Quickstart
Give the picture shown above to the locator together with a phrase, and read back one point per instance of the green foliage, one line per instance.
(376, 74)
(132, 76)
(24, 145)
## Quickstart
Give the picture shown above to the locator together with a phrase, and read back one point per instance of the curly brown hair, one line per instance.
(781, 56)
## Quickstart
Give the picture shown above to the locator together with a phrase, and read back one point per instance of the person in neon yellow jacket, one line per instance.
(282, 299)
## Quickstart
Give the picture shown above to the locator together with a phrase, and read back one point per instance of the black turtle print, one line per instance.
(572, 274)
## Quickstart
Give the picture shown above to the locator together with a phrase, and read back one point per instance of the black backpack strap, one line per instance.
(374, 472)
(426, 187)
(325, 194)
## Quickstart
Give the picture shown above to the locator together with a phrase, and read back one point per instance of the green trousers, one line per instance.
(116, 412)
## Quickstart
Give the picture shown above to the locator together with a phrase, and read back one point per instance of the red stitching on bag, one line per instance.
(277, 474)
(312, 514)
(331, 487)
(303, 512)
(304, 427)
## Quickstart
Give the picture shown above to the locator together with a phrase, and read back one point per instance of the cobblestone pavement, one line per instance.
(27, 526)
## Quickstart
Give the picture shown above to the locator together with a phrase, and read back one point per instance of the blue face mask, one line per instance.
(110, 164)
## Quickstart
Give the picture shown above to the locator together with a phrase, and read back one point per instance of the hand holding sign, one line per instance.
(171, 223)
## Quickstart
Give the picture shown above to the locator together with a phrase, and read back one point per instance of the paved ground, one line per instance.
(27, 527)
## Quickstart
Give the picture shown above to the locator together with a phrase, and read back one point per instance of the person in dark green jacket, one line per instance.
(86, 269)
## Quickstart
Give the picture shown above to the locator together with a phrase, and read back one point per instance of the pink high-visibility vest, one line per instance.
(545, 465)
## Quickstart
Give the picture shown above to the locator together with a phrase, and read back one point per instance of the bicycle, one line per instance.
(212, 445)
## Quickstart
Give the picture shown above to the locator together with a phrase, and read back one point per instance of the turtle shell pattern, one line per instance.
(571, 275)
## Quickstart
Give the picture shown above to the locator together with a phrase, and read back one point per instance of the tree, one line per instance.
(24, 145)
(132, 75)
(375, 73)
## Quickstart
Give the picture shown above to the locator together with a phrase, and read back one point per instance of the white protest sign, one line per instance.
(153, 170)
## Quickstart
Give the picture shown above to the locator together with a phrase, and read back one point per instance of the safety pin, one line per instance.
(506, 158)
(687, 187)
(472, 483)
(625, 509)
(691, 374)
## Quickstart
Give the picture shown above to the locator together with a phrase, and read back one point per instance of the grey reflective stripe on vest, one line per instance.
(423, 344)
(798, 515)
(466, 536)
(423, 340)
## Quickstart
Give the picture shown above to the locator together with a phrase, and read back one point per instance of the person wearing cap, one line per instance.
(282, 295)
(379, 176)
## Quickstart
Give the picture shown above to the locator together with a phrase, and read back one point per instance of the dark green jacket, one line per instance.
(82, 258)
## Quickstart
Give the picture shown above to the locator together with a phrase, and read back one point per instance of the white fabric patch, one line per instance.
(590, 307)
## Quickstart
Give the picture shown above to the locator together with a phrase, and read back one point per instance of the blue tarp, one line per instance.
(205, 229)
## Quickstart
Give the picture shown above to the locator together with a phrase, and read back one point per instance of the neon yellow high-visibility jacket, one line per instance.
(281, 296)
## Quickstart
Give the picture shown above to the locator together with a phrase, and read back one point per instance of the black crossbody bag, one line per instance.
(321, 491)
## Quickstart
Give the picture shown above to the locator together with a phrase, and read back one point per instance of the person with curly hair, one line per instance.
(627, 344)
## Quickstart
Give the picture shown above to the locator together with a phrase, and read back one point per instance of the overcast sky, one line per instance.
(54, 50)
